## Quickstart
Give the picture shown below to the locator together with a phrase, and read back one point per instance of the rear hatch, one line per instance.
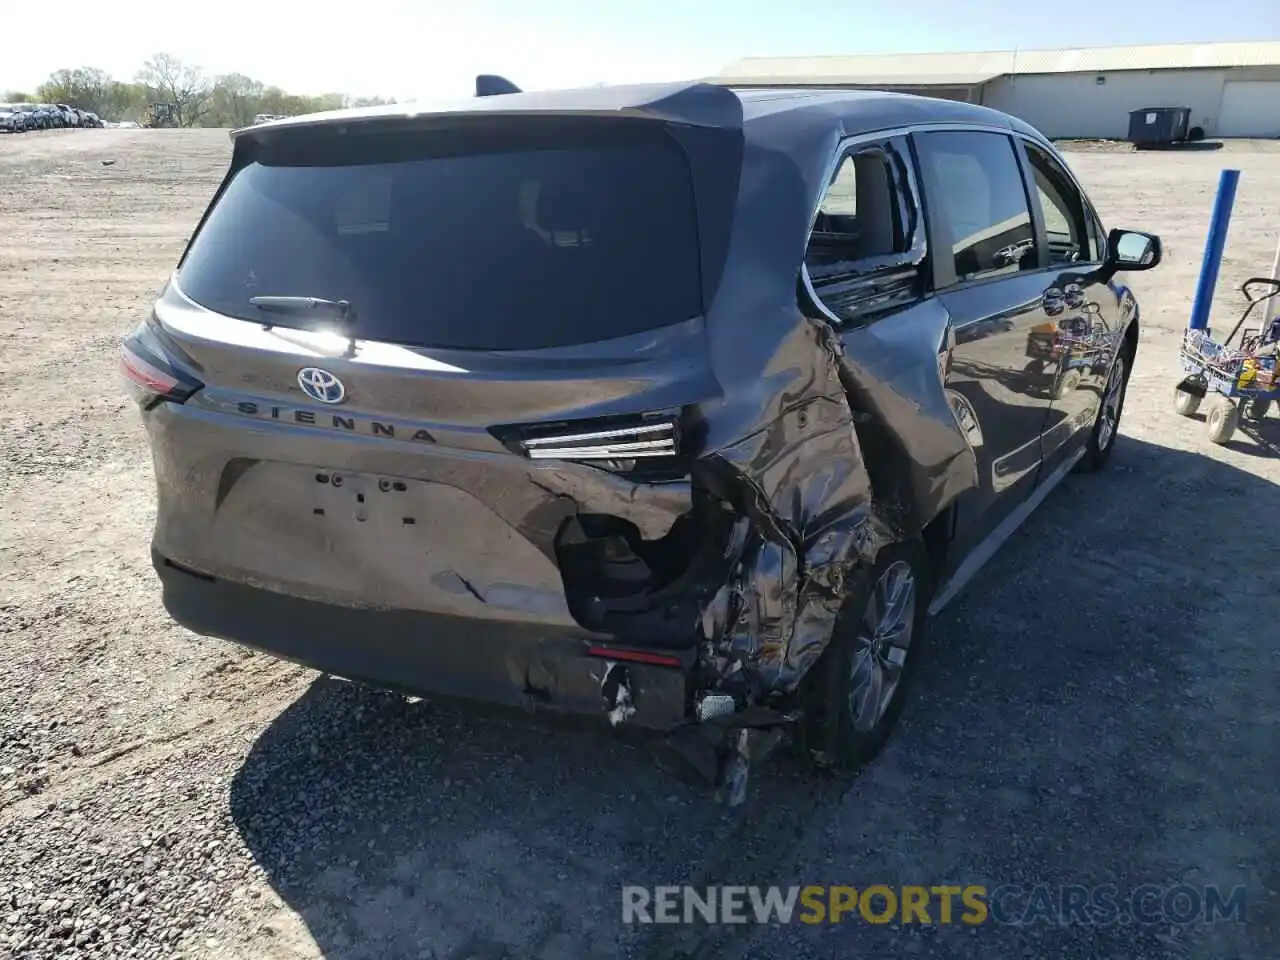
(514, 283)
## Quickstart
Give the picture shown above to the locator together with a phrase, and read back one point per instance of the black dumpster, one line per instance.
(1155, 126)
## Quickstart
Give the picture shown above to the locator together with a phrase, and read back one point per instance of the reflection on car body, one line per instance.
(660, 480)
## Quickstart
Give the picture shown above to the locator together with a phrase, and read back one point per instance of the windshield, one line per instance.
(483, 240)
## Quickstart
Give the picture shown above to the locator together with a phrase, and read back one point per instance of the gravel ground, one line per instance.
(1100, 707)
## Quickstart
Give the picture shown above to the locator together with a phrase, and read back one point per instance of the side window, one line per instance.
(982, 201)
(867, 244)
(1097, 239)
(859, 218)
(1065, 223)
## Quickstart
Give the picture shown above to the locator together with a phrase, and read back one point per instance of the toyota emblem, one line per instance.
(321, 385)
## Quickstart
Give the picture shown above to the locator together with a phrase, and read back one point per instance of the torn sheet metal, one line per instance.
(804, 486)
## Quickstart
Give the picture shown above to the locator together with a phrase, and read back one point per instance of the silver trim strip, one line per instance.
(985, 550)
(603, 453)
(621, 443)
(601, 434)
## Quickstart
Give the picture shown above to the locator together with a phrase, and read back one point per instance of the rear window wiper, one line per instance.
(318, 307)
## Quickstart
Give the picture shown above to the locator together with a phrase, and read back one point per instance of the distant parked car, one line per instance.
(26, 112)
(32, 115)
(12, 120)
(70, 116)
(23, 114)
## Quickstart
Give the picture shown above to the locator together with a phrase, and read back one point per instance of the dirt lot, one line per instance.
(1101, 706)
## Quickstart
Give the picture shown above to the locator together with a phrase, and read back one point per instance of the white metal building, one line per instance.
(1233, 89)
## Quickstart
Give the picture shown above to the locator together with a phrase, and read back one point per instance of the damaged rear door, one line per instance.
(868, 272)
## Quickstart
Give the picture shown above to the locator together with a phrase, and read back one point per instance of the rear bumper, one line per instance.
(541, 666)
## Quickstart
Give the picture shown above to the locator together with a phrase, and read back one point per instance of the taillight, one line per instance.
(144, 374)
(651, 445)
(636, 656)
(149, 375)
(624, 443)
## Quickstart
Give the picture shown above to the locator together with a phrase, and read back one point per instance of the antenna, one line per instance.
(492, 85)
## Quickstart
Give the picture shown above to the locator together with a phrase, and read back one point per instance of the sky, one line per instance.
(428, 49)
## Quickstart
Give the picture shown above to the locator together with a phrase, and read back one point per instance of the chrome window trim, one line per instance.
(958, 126)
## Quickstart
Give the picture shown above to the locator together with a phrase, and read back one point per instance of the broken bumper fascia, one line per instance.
(420, 653)
(562, 671)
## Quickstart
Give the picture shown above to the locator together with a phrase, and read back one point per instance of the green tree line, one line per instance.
(229, 100)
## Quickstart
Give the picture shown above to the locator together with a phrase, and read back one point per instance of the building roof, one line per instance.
(961, 69)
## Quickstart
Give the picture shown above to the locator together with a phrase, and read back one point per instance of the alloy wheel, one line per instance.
(881, 646)
(1110, 419)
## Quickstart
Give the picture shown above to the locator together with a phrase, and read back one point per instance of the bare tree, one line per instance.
(236, 98)
(184, 85)
(83, 87)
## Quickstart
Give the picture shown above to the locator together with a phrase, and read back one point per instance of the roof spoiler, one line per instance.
(492, 85)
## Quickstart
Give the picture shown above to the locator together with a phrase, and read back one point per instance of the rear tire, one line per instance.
(1256, 408)
(1221, 420)
(858, 688)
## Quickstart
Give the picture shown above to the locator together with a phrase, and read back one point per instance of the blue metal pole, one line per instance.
(1213, 247)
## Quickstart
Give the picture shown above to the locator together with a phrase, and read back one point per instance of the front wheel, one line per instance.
(1185, 403)
(860, 683)
(1107, 425)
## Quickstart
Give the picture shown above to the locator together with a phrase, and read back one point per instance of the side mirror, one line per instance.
(1131, 250)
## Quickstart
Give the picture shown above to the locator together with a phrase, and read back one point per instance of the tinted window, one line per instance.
(1065, 226)
(982, 200)
(498, 240)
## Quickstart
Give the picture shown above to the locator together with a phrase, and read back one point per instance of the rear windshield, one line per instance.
(482, 238)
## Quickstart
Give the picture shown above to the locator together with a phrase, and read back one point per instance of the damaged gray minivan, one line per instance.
(684, 405)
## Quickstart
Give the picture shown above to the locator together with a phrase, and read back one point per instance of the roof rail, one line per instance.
(491, 85)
